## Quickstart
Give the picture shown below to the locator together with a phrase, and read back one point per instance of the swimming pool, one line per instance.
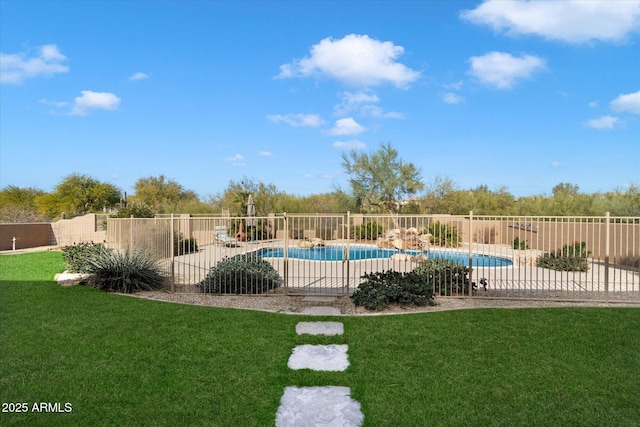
(336, 253)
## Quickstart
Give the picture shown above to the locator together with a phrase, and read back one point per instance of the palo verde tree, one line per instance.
(162, 195)
(78, 194)
(380, 181)
(18, 205)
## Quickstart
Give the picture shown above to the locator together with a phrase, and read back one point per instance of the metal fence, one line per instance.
(508, 256)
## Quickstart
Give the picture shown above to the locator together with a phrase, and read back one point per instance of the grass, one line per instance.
(126, 361)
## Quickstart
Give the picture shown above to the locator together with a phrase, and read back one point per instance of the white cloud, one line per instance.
(628, 103)
(90, 100)
(455, 86)
(593, 104)
(354, 144)
(265, 154)
(452, 98)
(377, 112)
(362, 103)
(297, 120)
(235, 158)
(572, 21)
(356, 60)
(354, 101)
(556, 164)
(603, 123)
(139, 76)
(15, 68)
(347, 126)
(57, 104)
(503, 70)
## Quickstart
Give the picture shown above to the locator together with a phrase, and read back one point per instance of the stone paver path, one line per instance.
(330, 406)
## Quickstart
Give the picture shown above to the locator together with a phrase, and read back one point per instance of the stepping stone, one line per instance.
(319, 299)
(320, 328)
(322, 311)
(319, 357)
(318, 406)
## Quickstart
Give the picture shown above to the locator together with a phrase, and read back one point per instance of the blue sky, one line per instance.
(515, 94)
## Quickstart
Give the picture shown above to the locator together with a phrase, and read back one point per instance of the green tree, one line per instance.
(18, 205)
(162, 195)
(380, 181)
(78, 194)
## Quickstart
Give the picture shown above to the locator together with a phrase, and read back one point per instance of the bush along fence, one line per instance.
(559, 258)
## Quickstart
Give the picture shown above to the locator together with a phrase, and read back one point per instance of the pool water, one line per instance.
(336, 253)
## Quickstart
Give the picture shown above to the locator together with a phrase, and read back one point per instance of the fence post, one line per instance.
(606, 256)
(286, 254)
(171, 256)
(470, 254)
(346, 253)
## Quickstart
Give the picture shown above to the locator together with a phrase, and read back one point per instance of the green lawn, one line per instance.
(126, 361)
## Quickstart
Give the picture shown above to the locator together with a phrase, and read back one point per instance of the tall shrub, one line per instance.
(444, 234)
(370, 230)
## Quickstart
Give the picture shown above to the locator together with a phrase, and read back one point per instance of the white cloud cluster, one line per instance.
(16, 68)
(356, 60)
(89, 100)
(504, 70)
(571, 21)
(623, 103)
(297, 120)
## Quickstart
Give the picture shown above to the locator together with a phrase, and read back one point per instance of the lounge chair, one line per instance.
(221, 236)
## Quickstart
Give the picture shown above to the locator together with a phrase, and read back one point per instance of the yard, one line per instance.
(97, 359)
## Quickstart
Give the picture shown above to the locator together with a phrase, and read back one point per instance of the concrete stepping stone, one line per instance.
(319, 357)
(318, 406)
(320, 328)
(321, 311)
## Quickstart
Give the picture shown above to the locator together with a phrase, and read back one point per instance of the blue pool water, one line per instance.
(335, 253)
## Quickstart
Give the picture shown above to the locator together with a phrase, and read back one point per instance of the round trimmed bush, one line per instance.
(241, 274)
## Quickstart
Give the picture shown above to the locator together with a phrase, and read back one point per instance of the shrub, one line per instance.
(367, 231)
(520, 244)
(136, 211)
(183, 246)
(486, 235)
(381, 289)
(125, 272)
(77, 256)
(571, 257)
(241, 274)
(444, 234)
(446, 277)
